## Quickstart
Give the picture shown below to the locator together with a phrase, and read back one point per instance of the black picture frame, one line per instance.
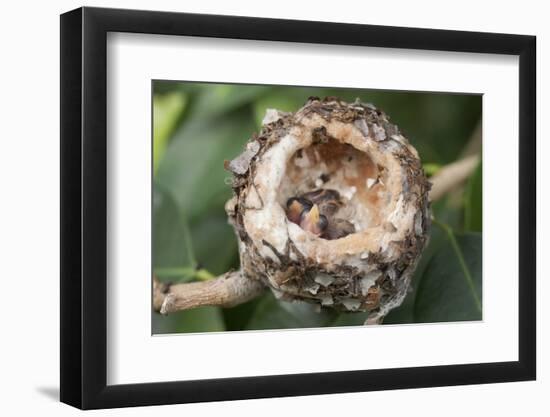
(84, 207)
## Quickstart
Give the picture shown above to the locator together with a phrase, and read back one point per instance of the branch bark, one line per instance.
(228, 290)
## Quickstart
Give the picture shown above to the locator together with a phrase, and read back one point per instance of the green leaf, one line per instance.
(236, 318)
(448, 210)
(451, 215)
(204, 319)
(215, 244)
(170, 235)
(184, 274)
(174, 247)
(280, 99)
(274, 314)
(214, 100)
(167, 110)
(473, 203)
(431, 168)
(192, 169)
(349, 319)
(450, 288)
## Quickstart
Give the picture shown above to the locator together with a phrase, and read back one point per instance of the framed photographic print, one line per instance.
(259, 208)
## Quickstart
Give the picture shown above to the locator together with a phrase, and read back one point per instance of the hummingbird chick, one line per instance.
(295, 206)
(314, 210)
(338, 228)
(328, 200)
(313, 221)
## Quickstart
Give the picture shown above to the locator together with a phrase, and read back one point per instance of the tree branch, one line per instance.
(228, 290)
(233, 288)
(451, 176)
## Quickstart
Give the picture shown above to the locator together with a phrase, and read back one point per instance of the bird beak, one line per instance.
(313, 221)
(314, 214)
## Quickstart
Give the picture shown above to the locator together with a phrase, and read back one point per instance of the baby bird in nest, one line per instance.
(314, 211)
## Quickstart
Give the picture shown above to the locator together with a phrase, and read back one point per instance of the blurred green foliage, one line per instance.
(196, 126)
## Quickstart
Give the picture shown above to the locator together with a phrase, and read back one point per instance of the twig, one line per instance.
(451, 176)
(473, 146)
(228, 290)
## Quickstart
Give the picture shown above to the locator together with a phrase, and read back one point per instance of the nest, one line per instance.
(331, 206)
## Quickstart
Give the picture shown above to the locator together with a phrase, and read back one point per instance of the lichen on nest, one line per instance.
(354, 250)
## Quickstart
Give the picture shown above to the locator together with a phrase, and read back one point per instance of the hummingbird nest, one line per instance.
(331, 207)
